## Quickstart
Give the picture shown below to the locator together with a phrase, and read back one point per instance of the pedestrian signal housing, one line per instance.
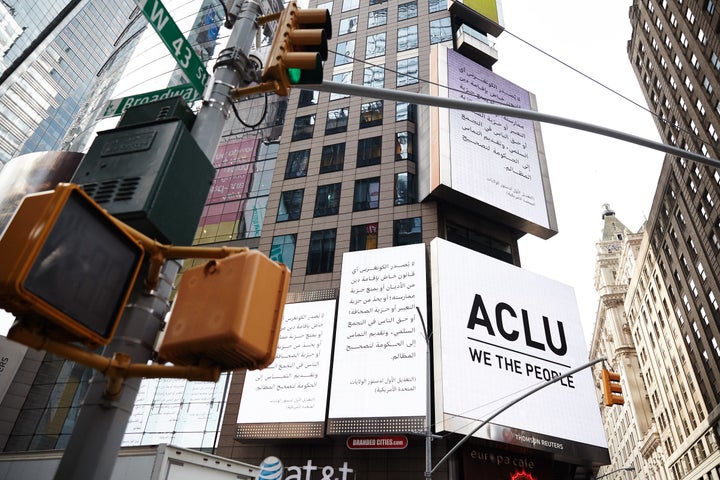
(228, 312)
(67, 266)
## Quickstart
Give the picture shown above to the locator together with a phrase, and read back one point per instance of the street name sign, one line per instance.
(117, 106)
(175, 41)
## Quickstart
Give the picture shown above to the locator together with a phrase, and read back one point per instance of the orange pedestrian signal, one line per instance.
(612, 390)
(66, 267)
(228, 313)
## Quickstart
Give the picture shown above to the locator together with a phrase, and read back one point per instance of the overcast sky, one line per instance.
(586, 171)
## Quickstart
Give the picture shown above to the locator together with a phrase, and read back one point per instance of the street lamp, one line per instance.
(627, 469)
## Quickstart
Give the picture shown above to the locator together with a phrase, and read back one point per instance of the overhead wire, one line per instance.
(606, 87)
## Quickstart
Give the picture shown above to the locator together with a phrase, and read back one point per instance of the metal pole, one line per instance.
(513, 402)
(422, 99)
(428, 398)
(101, 424)
(216, 106)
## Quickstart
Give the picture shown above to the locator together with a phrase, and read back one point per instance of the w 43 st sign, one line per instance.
(175, 41)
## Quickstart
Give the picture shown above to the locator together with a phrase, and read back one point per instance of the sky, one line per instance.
(586, 171)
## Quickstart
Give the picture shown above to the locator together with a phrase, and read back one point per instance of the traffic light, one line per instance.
(612, 390)
(227, 313)
(298, 49)
(66, 267)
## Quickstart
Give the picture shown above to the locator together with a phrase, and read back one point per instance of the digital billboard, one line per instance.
(499, 330)
(288, 398)
(491, 164)
(379, 377)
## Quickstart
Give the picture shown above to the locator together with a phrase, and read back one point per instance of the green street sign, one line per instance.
(117, 106)
(175, 41)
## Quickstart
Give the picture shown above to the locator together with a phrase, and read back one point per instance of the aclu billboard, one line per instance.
(499, 330)
(494, 165)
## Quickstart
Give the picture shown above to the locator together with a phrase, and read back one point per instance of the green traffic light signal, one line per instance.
(306, 76)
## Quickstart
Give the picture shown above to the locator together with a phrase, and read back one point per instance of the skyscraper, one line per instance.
(51, 54)
(350, 177)
(672, 304)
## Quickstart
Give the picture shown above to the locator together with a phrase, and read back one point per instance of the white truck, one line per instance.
(159, 462)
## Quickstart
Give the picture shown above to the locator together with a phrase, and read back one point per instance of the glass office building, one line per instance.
(48, 70)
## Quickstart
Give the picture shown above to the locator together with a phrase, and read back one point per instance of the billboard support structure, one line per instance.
(508, 405)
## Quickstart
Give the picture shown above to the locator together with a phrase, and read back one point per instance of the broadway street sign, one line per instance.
(117, 106)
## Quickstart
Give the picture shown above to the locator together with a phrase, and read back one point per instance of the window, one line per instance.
(363, 237)
(407, 38)
(405, 111)
(437, 5)
(369, 151)
(350, 5)
(367, 194)
(283, 249)
(343, 77)
(308, 97)
(348, 25)
(375, 46)
(405, 188)
(478, 241)
(440, 30)
(290, 205)
(702, 37)
(407, 71)
(376, 2)
(297, 164)
(321, 254)
(371, 114)
(336, 121)
(377, 18)
(327, 201)
(707, 85)
(345, 52)
(303, 127)
(407, 231)
(332, 158)
(374, 76)
(407, 10)
(405, 146)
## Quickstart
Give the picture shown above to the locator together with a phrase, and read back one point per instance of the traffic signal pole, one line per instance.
(95, 442)
(233, 70)
(102, 421)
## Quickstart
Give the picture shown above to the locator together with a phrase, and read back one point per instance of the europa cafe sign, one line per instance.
(482, 462)
(502, 330)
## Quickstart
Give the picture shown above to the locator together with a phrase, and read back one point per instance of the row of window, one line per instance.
(403, 111)
(371, 115)
(321, 252)
(332, 159)
(405, 11)
(366, 197)
(407, 39)
(374, 75)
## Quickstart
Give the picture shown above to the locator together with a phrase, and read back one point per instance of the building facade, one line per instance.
(49, 67)
(637, 444)
(672, 301)
(346, 180)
